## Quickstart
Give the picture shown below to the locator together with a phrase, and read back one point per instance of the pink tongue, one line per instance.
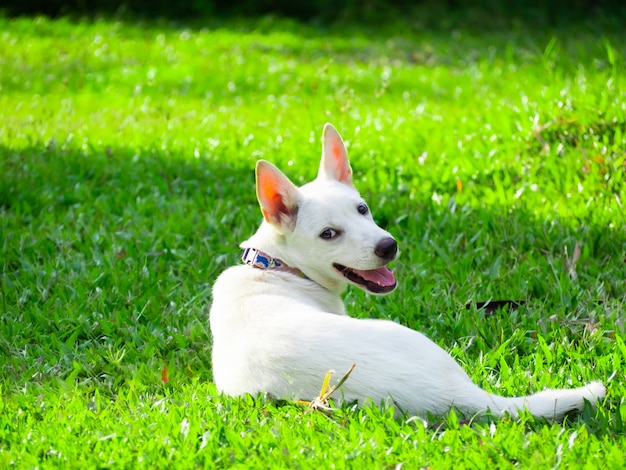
(381, 276)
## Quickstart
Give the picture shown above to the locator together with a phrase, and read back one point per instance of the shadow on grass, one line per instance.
(426, 13)
(108, 259)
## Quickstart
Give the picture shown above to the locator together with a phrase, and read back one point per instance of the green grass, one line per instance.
(126, 163)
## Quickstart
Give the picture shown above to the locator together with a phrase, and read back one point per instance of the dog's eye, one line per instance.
(362, 208)
(329, 233)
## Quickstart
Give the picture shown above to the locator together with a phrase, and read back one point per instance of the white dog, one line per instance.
(279, 323)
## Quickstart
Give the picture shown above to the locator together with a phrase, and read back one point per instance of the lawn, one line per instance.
(496, 157)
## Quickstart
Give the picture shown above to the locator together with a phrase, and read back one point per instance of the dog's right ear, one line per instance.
(334, 164)
(277, 195)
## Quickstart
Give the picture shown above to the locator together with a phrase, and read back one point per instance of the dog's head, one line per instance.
(325, 228)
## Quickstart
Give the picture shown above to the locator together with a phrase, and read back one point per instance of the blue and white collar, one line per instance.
(261, 260)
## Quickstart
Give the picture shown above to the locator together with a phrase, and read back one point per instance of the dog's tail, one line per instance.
(549, 404)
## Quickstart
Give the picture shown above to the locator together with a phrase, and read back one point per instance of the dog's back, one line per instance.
(249, 313)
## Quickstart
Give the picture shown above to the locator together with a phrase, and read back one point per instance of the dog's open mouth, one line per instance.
(378, 281)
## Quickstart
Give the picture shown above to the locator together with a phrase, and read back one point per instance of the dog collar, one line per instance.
(261, 260)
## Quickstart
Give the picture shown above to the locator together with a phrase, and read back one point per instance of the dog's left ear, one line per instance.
(334, 164)
(277, 195)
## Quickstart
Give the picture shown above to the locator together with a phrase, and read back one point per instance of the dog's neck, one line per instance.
(262, 260)
(268, 241)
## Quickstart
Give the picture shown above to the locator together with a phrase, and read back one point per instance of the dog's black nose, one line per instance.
(386, 248)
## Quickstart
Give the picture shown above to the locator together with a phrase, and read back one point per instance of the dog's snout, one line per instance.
(386, 248)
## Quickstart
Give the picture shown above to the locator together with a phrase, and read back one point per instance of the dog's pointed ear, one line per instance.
(334, 164)
(277, 195)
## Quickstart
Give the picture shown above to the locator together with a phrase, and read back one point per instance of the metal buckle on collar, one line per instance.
(259, 259)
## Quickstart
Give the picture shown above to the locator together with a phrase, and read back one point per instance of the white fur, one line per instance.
(278, 333)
